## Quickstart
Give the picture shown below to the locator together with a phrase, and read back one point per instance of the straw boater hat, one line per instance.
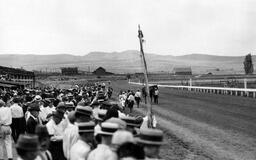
(61, 105)
(70, 105)
(85, 110)
(122, 136)
(122, 124)
(86, 127)
(132, 121)
(28, 142)
(150, 137)
(105, 105)
(101, 114)
(108, 128)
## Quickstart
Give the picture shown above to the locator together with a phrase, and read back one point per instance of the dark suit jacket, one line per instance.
(31, 125)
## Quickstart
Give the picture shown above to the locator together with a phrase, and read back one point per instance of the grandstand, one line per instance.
(16, 78)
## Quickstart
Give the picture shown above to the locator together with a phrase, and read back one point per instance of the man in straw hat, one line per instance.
(56, 131)
(99, 116)
(121, 124)
(133, 124)
(5, 130)
(27, 147)
(103, 150)
(151, 140)
(83, 113)
(69, 107)
(80, 150)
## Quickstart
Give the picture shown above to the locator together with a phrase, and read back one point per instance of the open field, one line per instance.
(206, 126)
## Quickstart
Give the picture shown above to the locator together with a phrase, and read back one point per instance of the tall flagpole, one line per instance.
(145, 70)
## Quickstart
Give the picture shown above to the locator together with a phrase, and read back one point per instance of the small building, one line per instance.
(69, 71)
(101, 72)
(182, 71)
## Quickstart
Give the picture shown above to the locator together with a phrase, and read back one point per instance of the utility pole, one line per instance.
(145, 70)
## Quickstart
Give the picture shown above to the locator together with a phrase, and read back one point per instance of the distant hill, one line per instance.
(126, 62)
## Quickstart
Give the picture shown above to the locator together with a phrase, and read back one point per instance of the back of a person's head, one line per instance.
(130, 150)
(16, 100)
(72, 117)
(112, 112)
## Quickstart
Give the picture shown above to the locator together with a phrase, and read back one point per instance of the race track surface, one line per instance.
(209, 126)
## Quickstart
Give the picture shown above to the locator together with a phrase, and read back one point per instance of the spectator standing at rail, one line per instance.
(131, 101)
(151, 93)
(18, 122)
(138, 98)
(5, 131)
(156, 95)
(144, 93)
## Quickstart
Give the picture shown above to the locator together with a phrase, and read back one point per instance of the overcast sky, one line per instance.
(176, 27)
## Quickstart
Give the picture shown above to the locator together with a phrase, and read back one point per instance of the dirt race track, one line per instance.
(204, 125)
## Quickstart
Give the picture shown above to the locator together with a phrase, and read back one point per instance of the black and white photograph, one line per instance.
(127, 80)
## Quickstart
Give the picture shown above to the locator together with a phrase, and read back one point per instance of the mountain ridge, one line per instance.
(124, 62)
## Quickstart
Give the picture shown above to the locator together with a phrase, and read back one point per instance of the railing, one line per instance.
(217, 90)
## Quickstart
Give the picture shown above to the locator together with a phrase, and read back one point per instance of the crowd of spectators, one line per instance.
(80, 123)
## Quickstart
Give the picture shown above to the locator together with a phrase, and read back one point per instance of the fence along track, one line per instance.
(244, 92)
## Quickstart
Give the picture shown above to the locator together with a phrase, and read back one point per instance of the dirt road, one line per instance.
(204, 125)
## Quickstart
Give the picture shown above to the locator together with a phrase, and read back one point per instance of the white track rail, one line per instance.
(217, 90)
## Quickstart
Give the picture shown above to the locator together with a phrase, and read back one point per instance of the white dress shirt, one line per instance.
(131, 98)
(50, 109)
(102, 152)
(5, 116)
(70, 137)
(55, 130)
(79, 151)
(17, 111)
(138, 94)
(43, 113)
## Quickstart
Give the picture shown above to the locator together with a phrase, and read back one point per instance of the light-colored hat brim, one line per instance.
(105, 133)
(86, 131)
